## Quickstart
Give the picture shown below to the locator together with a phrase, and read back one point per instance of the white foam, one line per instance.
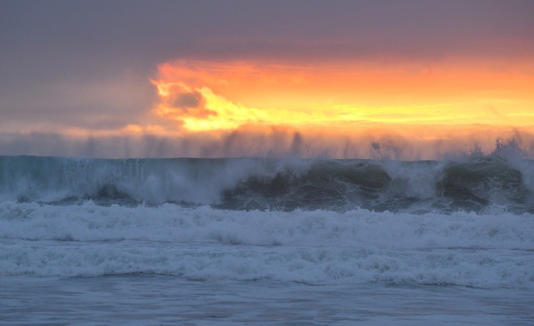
(90, 222)
(306, 246)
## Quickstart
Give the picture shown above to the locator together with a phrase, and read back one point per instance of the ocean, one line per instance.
(266, 241)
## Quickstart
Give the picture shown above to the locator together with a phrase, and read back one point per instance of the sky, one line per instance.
(400, 79)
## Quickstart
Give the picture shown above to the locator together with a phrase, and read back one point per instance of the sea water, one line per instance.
(266, 242)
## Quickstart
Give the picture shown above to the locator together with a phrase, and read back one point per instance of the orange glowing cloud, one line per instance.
(213, 96)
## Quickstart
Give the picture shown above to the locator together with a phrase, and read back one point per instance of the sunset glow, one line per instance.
(209, 96)
(424, 79)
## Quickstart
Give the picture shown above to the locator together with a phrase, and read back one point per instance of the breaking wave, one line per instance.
(470, 184)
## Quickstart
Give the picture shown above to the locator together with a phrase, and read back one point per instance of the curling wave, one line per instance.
(474, 184)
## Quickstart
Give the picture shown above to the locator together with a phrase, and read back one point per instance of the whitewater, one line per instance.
(266, 241)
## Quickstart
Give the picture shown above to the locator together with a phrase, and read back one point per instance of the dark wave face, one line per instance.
(274, 184)
(325, 184)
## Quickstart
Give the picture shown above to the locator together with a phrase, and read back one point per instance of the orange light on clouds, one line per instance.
(212, 96)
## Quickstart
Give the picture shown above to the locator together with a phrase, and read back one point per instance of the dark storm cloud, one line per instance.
(188, 100)
(64, 62)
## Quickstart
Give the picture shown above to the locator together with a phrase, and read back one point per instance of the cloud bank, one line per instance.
(74, 70)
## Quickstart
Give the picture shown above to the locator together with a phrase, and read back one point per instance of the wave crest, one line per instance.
(473, 184)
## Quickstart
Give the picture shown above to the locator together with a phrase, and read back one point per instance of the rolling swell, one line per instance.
(273, 184)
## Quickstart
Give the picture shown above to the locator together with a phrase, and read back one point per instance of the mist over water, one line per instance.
(476, 182)
(277, 142)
